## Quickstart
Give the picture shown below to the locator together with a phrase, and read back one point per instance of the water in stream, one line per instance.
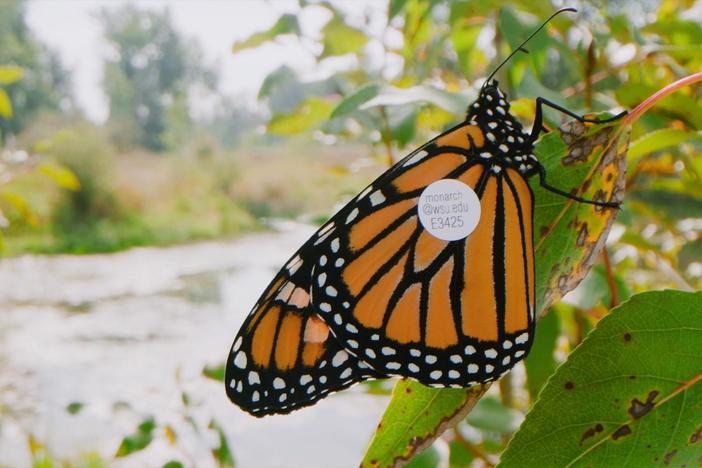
(125, 334)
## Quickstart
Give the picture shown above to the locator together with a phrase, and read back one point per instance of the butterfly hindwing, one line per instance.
(442, 312)
(284, 357)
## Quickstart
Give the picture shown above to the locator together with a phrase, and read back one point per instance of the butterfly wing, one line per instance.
(444, 313)
(284, 357)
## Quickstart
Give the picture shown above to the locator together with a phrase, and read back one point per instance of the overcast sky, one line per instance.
(71, 28)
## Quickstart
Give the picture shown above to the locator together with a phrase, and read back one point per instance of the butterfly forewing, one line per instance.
(284, 356)
(442, 312)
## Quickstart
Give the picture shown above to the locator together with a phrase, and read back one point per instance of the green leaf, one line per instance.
(138, 440)
(214, 372)
(412, 418)
(352, 102)
(429, 458)
(489, 414)
(391, 96)
(74, 407)
(395, 7)
(62, 176)
(309, 114)
(341, 39)
(541, 362)
(629, 395)
(567, 239)
(9, 74)
(222, 454)
(658, 140)
(5, 105)
(173, 464)
(286, 24)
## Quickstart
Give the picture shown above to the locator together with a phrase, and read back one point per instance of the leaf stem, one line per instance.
(660, 94)
(474, 449)
(613, 293)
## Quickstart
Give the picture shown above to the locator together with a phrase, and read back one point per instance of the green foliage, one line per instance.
(629, 395)
(45, 84)
(139, 439)
(149, 78)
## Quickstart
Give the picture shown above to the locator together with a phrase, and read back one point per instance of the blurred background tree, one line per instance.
(149, 78)
(45, 85)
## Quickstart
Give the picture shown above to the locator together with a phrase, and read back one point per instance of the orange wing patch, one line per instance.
(288, 341)
(516, 311)
(370, 310)
(403, 325)
(459, 137)
(441, 328)
(262, 343)
(428, 171)
(369, 227)
(478, 295)
(525, 200)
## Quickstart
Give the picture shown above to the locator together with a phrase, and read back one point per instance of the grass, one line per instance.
(139, 198)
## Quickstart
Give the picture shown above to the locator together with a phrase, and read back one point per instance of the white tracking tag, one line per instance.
(449, 209)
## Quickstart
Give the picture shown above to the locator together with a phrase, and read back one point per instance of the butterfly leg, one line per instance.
(550, 188)
(539, 117)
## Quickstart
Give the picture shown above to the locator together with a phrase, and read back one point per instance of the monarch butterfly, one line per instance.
(377, 292)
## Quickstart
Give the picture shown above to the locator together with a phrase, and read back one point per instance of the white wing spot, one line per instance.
(504, 148)
(255, 396)
(283, 397)
(472, 368)
(325, 307)
(351, 328)
(305, 379)
(239, 387)
(375, 337)
(337, 319)
(387, 351)
(416, 158)
(490, 136)
(365, 192)
(311, 389)
(346, 305)
(323, 379)
(415, 352)
(254, 378)
(489, 368)
(492, 125)
(430, 359)
(469, 350)
(435, 374)
(501, 110)
(490, 353)
(454, 374)
(377, 198)
(321, 279)
(323, 260)
(507, 344)
(346, 373)
(237, 345)
(339, 262)
(339, 358)
(413, 367)
(505, 361)
(370, 353)
(519, 354)
(335, 245)
(240, 360)
(392, 365)
(456, 359)
(353, 343)
(485, 155)
(496, 169)
(278, 383)
(523, 338)
(489, 112)
(331, 291)
(352, 215)
(232, 383)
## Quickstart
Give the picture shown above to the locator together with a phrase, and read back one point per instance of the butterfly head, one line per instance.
(506, 143)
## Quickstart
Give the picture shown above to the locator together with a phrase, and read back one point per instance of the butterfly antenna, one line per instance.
(520, 47)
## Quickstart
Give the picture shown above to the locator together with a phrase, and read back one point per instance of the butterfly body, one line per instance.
(446, 313)
(377, 291)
